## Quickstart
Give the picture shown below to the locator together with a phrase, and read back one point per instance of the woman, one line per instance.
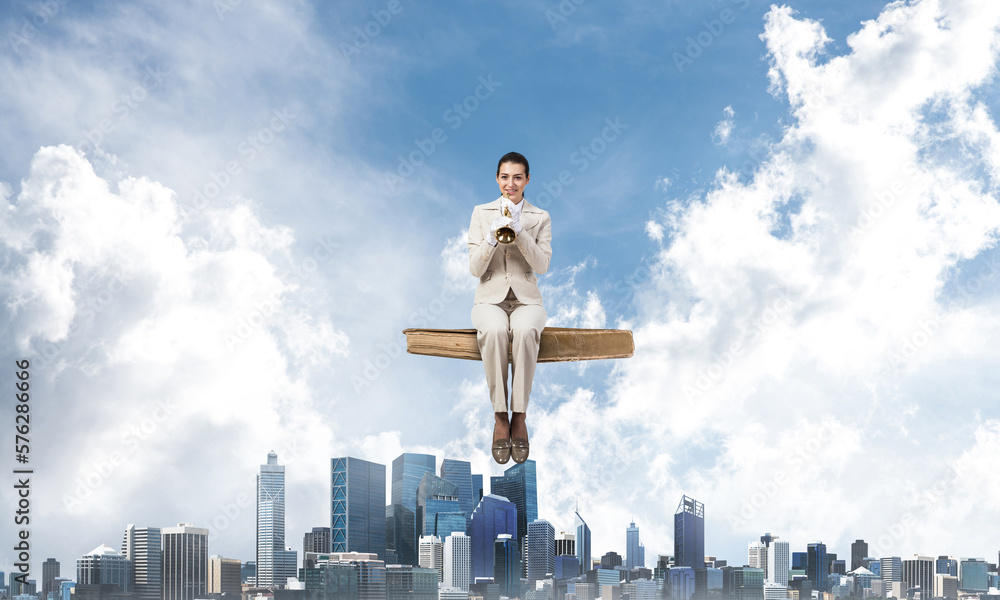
(508, 313)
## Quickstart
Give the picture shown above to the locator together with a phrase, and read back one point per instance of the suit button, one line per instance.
(508, 274)
(508, 255)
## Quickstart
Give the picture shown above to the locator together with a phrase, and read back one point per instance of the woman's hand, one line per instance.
(497, 224)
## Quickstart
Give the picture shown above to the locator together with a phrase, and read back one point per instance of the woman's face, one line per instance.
(512, 181)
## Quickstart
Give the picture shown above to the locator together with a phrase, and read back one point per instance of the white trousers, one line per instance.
(509, 328)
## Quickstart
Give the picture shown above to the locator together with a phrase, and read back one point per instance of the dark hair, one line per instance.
(513, 157)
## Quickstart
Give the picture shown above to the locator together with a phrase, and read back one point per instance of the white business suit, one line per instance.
(508, 313)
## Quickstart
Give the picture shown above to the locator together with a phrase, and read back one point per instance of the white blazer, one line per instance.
(509, 266)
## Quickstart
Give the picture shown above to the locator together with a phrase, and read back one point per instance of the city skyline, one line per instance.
(217, 223)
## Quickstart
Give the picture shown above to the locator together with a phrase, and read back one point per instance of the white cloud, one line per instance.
(724, 128)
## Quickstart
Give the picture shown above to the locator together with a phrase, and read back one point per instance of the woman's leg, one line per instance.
(492, 331)
(526, 324)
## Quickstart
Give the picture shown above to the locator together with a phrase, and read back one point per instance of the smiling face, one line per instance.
(512, 180)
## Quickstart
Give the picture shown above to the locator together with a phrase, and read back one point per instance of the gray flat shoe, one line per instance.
(501, 451)
(519, 449)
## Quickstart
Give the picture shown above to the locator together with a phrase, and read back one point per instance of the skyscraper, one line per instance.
(224, 576)
(919, 572)
(632, 546)
(507, 565)
(436, 495)
(973, 575)
(408, 470)
(317, 540)
(185, 562)
(689, 534)
(457, 561)
(582, 543)
(757, 556)
(494, 515)
(859, 550)
(777, 563)
(102, 566)
(459, 472)
(50, 570)
(946, 565)
(565, 544)
(270, 519)
(891, 569)
(357, 506)
(519, 485)
(143, 547)
(431, 554)
(540, 550)
(817, 566)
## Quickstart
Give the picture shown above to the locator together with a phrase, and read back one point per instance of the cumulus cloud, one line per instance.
(807, 323)
(724, 128)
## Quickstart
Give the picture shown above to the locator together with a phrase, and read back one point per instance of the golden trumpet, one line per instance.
(506, 235)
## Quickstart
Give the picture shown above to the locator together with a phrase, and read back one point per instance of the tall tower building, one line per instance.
(582, 543)
(459, 472)
(224, 576)
(431, 554)
(185, 562)
(142, 546)
(507, 565)
(437, 496)
(357, 506)
(817, 566)
(689, 534)
(102, 566)
(270, 520)
(50, 571)
(519, 484)
(565, 544)
(541, 550)
(457, 561)
(919, 572)
(408, 470)
(317, 540)
(757, 556)
(632, 547)
(494, 515)
(859, 550)
(892, 569)
(778, 562)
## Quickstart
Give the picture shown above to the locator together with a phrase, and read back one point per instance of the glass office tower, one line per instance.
(357, 506)
(689, 534)
(495, 515)
(817, 566)
(582, 543)
(408, 470)
(519, 484)
(270, 519)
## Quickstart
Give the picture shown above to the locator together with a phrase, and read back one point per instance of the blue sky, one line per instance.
(219, 221)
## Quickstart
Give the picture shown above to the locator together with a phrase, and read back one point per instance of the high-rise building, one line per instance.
(436, 495)
(317, 540)
(972, 575)
(777, 563)
(565, 544)
(459, 472)
(102, 566)
(541, 550)
(582, 543)
(285, 565)
(757, 556)
(493, 516)
(680, 582)
(357, 507)
(507, 565)
(918, 572)
(270, 519)
(632, 547)
(457, 561)
(519, 484)
(369, 571)
(892, 569)
(477, 489)
(185, 562)
(431, 554)
(224, 576)
(945, 586)
(689, 534)
(567, 567)
(817, 566)
(50, 571)
(143, 547)
(946, 565)
(408, 470)
(859, 550)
